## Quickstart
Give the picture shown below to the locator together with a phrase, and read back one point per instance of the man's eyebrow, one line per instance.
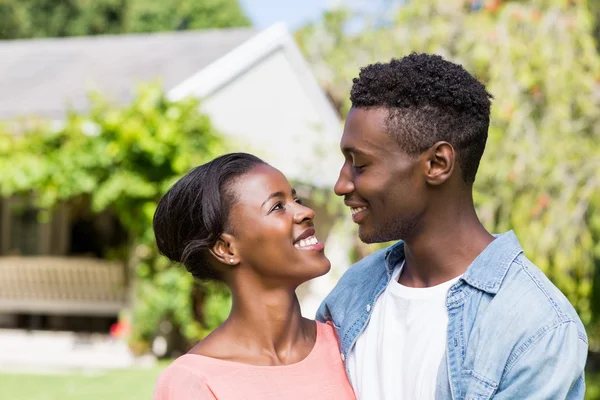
(354, 150)
(278, 194)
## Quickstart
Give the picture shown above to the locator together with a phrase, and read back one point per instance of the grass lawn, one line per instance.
(130, 384)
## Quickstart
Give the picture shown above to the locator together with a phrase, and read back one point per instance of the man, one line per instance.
(451, 311)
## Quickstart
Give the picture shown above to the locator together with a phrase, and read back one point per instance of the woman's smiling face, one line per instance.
(273, 232)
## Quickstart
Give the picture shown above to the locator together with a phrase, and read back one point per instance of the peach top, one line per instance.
(321, 375)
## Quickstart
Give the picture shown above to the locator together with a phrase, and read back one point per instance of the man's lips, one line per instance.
(357, 209)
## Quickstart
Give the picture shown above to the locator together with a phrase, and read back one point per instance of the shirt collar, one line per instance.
(393, 256)
(486, 272)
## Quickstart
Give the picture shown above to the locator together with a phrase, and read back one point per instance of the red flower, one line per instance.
(120, 329)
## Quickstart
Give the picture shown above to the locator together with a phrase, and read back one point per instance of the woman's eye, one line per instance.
(276, 207)
(358, 167)
(280, 206)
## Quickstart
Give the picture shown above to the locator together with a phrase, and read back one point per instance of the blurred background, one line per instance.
(105, 103)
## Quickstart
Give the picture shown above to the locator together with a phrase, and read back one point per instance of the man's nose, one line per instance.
(344, 184)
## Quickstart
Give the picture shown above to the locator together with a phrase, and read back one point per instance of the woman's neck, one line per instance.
(269, 319)
(268, 323)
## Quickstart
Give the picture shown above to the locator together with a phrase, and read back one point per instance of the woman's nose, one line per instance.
(303, 213)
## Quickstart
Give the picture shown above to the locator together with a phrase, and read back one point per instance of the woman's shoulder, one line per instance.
(197, 365)
(328, 342)
(185, 378)
(326, 331)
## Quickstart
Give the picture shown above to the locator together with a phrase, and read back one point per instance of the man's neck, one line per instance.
(444, 249)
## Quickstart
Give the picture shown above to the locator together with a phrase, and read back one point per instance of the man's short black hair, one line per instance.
(430, 100)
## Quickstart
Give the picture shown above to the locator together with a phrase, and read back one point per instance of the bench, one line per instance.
(62, 286)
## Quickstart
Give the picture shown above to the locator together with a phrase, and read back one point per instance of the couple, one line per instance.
(449, 312)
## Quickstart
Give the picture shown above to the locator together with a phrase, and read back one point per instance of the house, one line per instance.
(255, 86)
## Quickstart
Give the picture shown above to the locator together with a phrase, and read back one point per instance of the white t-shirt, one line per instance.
(398, 355)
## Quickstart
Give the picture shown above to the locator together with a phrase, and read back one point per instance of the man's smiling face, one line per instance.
(382, 184)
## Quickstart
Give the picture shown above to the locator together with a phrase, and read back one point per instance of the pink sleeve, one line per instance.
(180, 384)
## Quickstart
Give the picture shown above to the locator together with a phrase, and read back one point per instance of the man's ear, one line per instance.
(440, 163)
(224, 250)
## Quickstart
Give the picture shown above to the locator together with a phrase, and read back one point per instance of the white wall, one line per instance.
(267, 111)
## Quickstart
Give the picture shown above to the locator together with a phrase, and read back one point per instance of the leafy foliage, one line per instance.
(124, 159)
(58, 18)
(152, 15)
(541, 172)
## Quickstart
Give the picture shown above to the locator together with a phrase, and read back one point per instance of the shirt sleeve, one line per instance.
(177, 383)
(552, 367)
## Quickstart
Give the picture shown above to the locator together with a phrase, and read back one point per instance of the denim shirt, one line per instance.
(511, 333)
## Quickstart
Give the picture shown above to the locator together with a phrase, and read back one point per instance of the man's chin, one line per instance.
(370, 236)
(366, 235)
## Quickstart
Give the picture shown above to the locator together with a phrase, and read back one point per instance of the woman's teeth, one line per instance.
(306, 242)
(357, 210)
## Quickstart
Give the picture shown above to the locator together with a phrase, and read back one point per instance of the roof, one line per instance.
(46, 77)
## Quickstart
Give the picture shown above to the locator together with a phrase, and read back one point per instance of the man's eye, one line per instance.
(358, 167)
(299, 201)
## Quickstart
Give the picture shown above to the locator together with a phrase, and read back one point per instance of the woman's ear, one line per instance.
(441, 161)
(224, 250)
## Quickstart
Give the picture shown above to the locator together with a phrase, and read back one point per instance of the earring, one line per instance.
(231, 260)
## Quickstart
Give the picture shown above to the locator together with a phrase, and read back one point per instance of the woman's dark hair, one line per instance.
(192, 215)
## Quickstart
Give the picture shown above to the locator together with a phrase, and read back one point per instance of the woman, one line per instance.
(237, 219)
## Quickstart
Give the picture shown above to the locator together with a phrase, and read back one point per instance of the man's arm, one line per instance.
(550, 368)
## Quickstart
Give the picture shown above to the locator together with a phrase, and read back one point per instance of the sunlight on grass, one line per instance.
(130, 384)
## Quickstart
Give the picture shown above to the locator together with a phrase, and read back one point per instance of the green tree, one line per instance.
(152, 15)
(541, 172)
(59, 18)
(123, 160)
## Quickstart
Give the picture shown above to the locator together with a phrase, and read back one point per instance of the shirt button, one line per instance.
(343, 356)
(368, 307)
